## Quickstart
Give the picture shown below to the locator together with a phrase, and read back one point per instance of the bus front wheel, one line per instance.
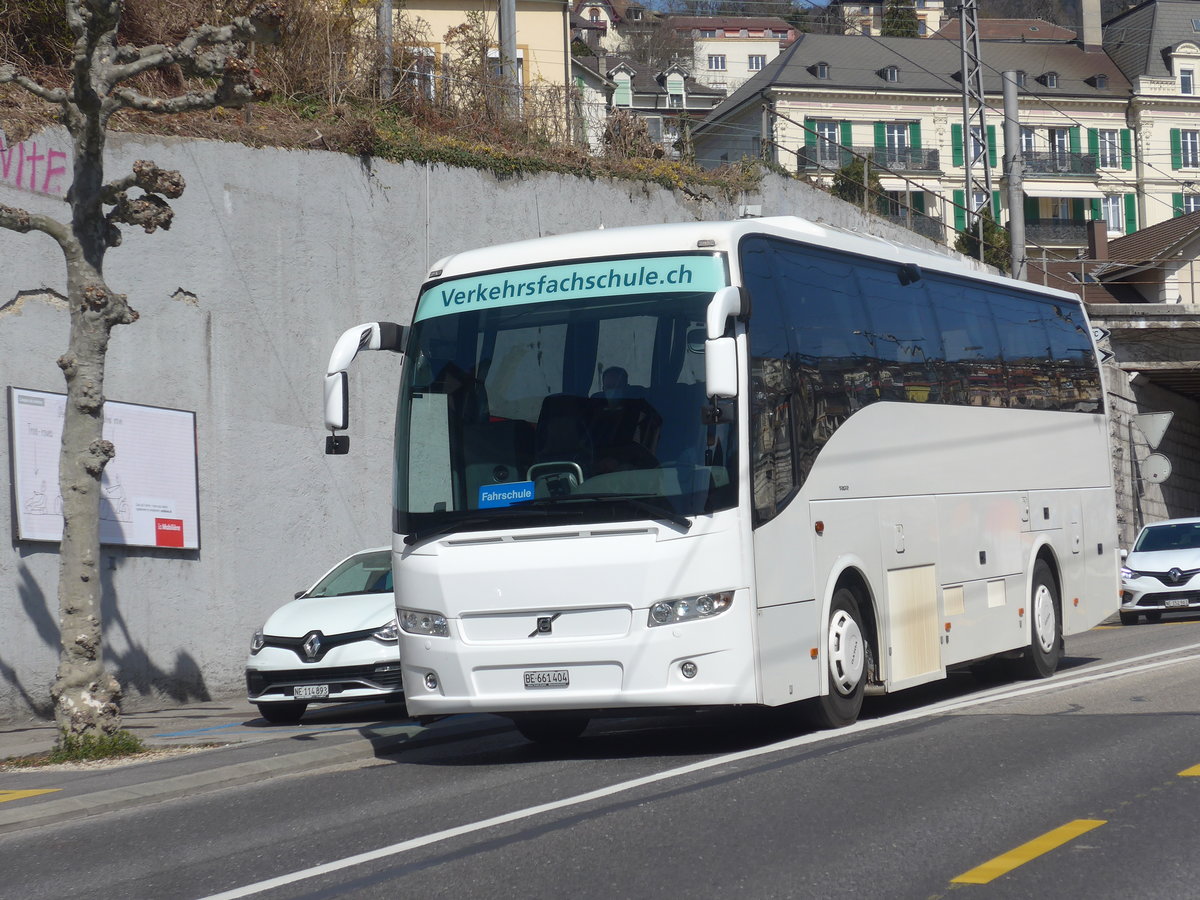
(1041, 657)
(846, 651)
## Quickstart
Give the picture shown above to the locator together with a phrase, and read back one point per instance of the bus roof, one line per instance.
(718, 236)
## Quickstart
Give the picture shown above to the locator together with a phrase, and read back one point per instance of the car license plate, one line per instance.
(311, 691)
(547, 678)
(1175, 602)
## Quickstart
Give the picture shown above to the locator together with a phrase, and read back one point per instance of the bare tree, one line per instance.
(86, 697)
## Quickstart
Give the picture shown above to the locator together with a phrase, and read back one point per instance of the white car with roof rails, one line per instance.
(338, 641)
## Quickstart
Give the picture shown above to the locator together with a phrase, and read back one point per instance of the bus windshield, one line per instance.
(562, 393)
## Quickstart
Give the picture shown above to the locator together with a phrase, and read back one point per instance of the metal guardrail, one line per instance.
(1057, 164)
(834, 157)
(1056, 233)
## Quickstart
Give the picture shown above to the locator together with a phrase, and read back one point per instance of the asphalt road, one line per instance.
(1074, 787)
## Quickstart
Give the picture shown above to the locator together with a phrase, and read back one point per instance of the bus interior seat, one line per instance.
(563, 429)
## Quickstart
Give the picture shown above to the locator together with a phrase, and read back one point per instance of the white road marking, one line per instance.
(1098, 673)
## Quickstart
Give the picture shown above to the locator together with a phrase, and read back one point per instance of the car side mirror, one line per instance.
(1124, 554)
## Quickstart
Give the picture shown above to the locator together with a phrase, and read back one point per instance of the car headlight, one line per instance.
(390, 633)
(414, 621)
(258, 641)
(701, 606)
(1127, 572)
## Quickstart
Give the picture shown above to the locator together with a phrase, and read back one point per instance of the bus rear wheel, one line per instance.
(1040, 658)
(551, 728)
(846, 653)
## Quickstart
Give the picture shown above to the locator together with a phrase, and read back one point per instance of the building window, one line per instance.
(1191, 203)
(922, 28)
(1101, 82)
(756, 61)
(594, 14)
(1021, 78)
(708, 32)
(1051, 79)
(1060, 148)
(1187, 81)
(1110, 148)
(827, 144)
(635, 15)
(716, 62)
(1028, 140)
(1195, 24)
(977, 144)
(891, 73)
(897, 144)
(1189, 146)
(1112, 210)
(979, 201)
(1060, 209)
(822, 70)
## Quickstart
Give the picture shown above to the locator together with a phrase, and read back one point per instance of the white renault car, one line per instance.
(1162, 571)
(335, 642)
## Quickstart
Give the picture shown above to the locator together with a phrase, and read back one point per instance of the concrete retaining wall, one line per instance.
(272, 255)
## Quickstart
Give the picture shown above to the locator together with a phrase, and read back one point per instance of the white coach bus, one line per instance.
(752, 462)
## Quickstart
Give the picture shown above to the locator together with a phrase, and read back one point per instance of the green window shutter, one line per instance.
(918, 202)
(914, 135)
(880, 136)
(960, 213)
(1176, 205)
(1095, 207)
(1077, 205)
(1176, 150)
(993, 143)
(956, 144)
(1073, 138)
(623, 95)
(847, 134)
(1033, 210)
(1094, 144)
(1126, 149)
(810, 133)
(1130, 213)
(995, 206)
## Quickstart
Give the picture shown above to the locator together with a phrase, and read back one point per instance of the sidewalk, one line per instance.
(240, 747)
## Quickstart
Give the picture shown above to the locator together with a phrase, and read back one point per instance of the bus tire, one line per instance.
(1040, 658)
(846, 653)
(551, 728)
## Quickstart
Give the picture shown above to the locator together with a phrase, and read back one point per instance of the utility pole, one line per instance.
(383, 25)
(978, 179)
(1015, 167)
(508, 54)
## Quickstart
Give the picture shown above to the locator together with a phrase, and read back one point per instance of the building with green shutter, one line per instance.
(1107, 133)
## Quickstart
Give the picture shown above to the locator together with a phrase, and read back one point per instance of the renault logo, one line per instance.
(1176, 576)
(312, 646)
(545, 625)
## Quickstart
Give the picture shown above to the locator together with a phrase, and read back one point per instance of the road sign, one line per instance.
(1100, 334)
(1156, 468)
(1153, 426)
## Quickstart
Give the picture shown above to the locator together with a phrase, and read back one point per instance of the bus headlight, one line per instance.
(416, 622)
(684, 609)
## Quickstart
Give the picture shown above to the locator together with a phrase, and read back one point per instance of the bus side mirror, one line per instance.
(337, 401)
(725, 303)
(720, 367)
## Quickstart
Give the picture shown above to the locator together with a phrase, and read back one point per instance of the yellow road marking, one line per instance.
(21, 795)
(1006, 862)
(1194, 770)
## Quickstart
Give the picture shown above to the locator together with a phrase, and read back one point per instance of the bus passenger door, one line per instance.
(909, 612)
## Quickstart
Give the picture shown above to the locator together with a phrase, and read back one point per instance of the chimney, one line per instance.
(1093, 33)
(1097, 238)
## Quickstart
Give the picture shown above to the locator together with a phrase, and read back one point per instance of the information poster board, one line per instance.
(149, 491)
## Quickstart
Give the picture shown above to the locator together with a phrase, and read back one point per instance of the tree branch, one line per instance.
(23, 222)
(8, 75)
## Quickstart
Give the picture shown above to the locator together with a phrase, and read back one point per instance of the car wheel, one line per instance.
(282, 713)
(1040, 658)
(846, 654)
(1155, 616)
(551, 728)
(1129, 618)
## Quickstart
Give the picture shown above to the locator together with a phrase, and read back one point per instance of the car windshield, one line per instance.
(522, 405)
(364, 573)
(1174, 536)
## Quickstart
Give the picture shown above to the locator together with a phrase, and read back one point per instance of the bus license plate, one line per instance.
(547, 678)
(1175, 602)
(311, 691)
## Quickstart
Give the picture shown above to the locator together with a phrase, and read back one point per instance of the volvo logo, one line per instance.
(545, 625)
(312, 646)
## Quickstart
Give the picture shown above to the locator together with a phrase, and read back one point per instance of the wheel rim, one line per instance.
(846, 656)
(1043, 618)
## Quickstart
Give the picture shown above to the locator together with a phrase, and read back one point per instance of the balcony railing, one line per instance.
(831, 158)
(1056, 232)
(1057, 165)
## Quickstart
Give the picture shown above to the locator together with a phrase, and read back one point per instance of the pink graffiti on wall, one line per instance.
(35, 168)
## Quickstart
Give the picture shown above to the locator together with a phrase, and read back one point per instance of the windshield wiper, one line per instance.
(637, 501)
(470, 523)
